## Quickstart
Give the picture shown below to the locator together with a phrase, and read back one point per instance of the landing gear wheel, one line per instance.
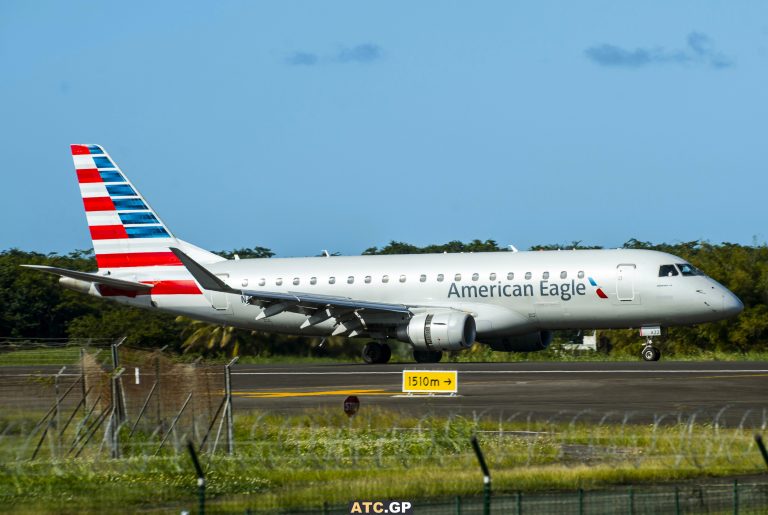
(650, 353)
(387, 353)
(427, 356)
(376, 353)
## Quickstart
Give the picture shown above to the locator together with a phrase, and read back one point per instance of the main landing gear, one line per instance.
(427, 356)
(376, 353)
(649, 352)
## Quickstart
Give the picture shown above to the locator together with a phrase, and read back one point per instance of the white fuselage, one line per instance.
(508, 293)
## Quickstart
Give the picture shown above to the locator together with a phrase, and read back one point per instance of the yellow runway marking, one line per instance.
(266, 394)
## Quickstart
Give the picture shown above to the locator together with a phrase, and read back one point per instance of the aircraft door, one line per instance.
(220, 300)
(625, 282)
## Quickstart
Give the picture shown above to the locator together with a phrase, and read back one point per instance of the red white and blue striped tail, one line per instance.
(126, 231)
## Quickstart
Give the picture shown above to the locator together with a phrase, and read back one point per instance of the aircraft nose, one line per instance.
(732, 305)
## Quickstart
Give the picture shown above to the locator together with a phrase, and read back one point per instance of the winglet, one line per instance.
(205, 278)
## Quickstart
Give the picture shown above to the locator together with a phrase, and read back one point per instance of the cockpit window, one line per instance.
(667, 270)
(688, 270)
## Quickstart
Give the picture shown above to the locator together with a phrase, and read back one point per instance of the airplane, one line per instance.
(511, 301)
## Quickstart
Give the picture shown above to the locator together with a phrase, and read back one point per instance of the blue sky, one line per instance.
(303, 126)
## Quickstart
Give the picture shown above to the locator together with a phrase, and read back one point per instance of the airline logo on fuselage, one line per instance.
(564, 290)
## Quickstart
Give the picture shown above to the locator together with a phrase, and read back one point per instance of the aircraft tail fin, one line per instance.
(126, 231)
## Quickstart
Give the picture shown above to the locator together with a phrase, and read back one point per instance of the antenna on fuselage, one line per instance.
(512, 248)
(325, 253)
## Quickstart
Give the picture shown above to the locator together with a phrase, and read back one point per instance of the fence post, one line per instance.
(82, 378)
(458, 505)
(761, 446)
(200, 477)
(581, 501)
(115, 422)
(677, 500)
(118, 391)
(228, 412)
(631, 494)
(519, 502)
(486, 476)
(735, 497)
(57, 425)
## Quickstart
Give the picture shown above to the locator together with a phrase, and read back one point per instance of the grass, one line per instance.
(41, 356)
(316, 456)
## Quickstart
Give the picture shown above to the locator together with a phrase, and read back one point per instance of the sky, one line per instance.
(302, 126)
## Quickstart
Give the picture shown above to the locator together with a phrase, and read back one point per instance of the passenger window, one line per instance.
(313, 280)
(331, 280)
(279, 281)
(545, 275)
(528, 275)
(563, 274)
(295, 281)
(457, 277)
(262, 281)
(440, 278)
(367, 279)
(475, 277)
(667, 271)
(492, 277)
(402, 278)
(423, 278)
(580, 275)
(350, 279)
(385, 278)
(510, 276)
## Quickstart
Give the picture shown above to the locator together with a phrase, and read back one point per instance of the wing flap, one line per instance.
(324, 301)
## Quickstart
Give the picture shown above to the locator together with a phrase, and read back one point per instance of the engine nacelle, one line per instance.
(531, 342)
(75, 284)
(439, 331)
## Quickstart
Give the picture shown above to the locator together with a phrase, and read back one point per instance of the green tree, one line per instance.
(246, 253)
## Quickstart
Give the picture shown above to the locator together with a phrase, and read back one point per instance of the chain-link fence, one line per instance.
(78, 400)
(100, 427)
(749, 498)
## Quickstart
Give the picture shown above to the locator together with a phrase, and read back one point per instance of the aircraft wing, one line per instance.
(120, 284)
(323, 301)
(349, 313)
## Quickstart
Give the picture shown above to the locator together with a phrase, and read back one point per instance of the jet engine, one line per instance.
(439, 331)
(530, 342)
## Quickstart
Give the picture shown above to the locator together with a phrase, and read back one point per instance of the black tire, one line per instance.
(427, 356)
(649, 354)
(373, 352)
(657, 357)
(386, 354)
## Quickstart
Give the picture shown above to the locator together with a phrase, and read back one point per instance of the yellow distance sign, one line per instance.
(430, 381)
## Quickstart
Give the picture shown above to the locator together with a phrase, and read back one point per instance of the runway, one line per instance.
(729, 393)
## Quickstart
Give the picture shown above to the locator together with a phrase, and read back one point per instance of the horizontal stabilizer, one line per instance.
(120, 284)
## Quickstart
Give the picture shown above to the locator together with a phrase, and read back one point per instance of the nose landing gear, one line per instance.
(649, 352)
